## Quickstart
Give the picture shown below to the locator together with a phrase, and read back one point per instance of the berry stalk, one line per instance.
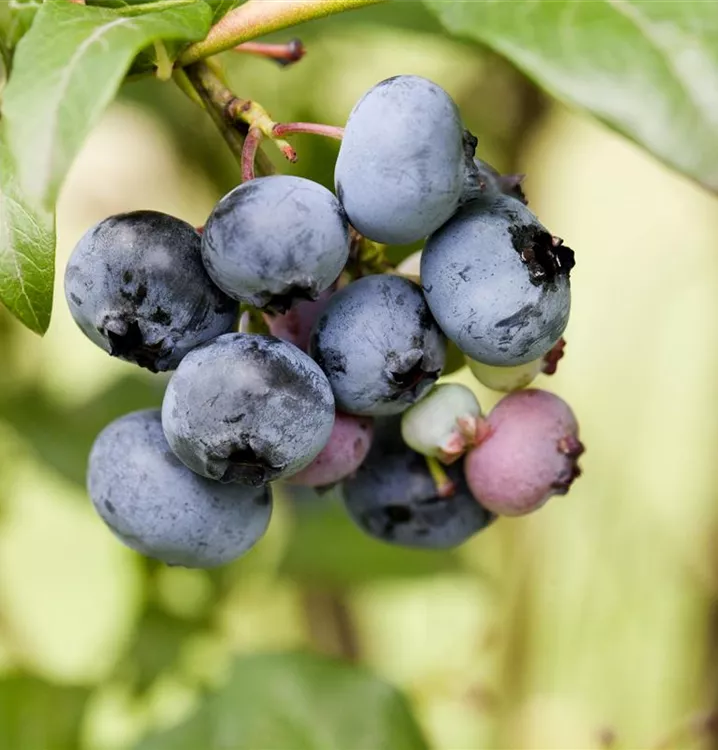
(284, 54)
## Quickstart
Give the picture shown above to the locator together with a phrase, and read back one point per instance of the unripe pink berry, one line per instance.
(345, 452)
(296, 324)
(530, 454)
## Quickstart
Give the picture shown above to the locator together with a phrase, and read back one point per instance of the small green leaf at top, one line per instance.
(297, 701)
(647, 69)
(27, 251)
(66, 70)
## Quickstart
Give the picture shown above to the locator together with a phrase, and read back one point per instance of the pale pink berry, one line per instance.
(529, 455)
(345, 452)
(296, 324)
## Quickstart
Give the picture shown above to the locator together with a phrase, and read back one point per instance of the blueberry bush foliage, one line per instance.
(648, 70)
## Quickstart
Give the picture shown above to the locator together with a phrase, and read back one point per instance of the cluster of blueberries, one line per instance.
(287, 367)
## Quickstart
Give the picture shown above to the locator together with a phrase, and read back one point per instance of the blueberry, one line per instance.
(341, 456)
(378, 345)
(509, 379)
(247, 408)
(530, 454)
(295, 325)
(136, 286)
(405, 163)
(276, 240)
(498, 283)
(444, 424)
(158, 507)
(393, 498)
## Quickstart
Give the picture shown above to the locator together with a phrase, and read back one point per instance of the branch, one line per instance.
(258, 17)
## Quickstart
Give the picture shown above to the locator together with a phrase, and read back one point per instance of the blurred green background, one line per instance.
(592, 624)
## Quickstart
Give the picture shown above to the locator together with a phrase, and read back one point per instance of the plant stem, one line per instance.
(215, 98)
(312, 128)
(258, 17)
(249, 152)
(444, 486)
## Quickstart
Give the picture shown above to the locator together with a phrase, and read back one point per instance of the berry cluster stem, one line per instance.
(258, 17)
(203, 85)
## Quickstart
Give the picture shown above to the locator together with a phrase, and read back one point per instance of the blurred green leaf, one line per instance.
(37, 715)
(63, 437)
(647, 69)
(298, 702)
(327, 549)
(66, 70)
(27, 251)
(155, 647)
(15, 19)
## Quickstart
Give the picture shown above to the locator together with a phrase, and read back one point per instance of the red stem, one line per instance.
(249, 153)
(285, 54)
(313, 128)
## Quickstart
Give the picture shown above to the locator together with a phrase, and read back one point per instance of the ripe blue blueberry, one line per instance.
(247, 408)
(378, 345)
(497, 282)
(393, 498)
(158, 507)
(405, 163)
(275, 240)
(136, 287)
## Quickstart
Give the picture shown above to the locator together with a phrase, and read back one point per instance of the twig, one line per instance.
(330, 624)
(258, 17)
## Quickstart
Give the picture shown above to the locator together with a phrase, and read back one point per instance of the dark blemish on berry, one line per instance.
(161, 316)
(245, 466)
(331, 361)
(127, 277)
(544, 259)
(520, 318)
(110, 507)
(235, 419)
(132, 347)
(282, 302)
(76, 299)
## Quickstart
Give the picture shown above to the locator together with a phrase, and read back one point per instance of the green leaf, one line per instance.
(62, 437)
(220, 8)
(298, 702)
(37, 715)
(647, 69)
(327, 549)
(66, 70)
(155, 648)
(27, 252)
(16, 17)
